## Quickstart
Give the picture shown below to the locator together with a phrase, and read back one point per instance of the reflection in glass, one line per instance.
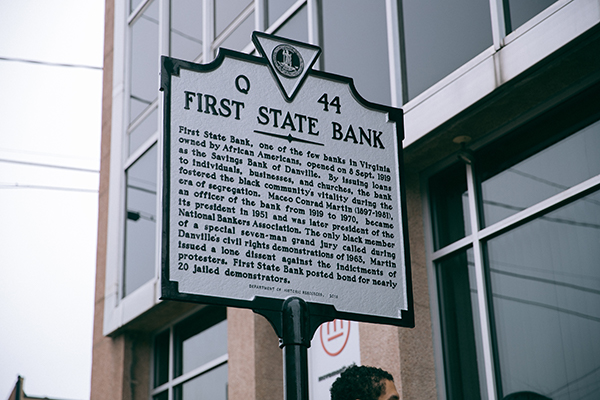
(211, 385)
(241, 36)
(143, 131)
(545, 280)
(522, 11)
(200, 339)
(186, 29)
(547, 173)
(204, 347)
(440, 36)
(449, 206)
(355, 45)
(140, 225)
(295, 28)
(276, 8)
(144, 61)
(226, 11)
(460, 325)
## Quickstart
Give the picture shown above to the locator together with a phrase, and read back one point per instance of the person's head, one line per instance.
(364, 383)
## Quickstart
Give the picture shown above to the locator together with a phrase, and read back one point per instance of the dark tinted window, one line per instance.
(440, 36)
(522, 11)
(355, 45)
(549, 172)
(545, 285)
(449, 205)
(140, 226)
(460, 326)
(200, 339)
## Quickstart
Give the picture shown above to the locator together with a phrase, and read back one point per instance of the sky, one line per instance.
(50, 121)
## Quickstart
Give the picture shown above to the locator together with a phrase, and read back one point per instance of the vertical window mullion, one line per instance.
(164, 28)
(164, 48)
(315, 28)
(481, 286)
(499, 20)
(208, 32)
(396, 52)
(261, 15)
(171, 363)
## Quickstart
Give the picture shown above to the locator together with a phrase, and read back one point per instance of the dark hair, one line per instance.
(526, 396)
(364, 383)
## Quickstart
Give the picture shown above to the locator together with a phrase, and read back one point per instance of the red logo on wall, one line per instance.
(334, 336)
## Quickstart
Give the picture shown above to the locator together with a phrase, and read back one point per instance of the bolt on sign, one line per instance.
(279, 181)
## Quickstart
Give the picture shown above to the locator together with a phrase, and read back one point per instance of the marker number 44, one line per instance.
(335, 103)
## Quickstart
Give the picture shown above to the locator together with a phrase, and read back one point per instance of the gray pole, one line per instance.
(295, 342)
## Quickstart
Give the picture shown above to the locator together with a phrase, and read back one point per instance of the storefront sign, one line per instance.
(334, 348)
(279, 181)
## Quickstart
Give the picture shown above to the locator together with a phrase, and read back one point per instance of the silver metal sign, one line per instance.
(280, 180)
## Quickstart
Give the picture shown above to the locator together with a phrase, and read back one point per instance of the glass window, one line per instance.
(462, 341)
(449, 205)
(440, 36)
(212, 385)
(161, 359)
(186, 29)
(241, 36)
(143, 131)
(133, 4)
(542, 176)
(296, 27)
(540, 273)
(355, 45)
(276, 8)
(226, 11)
(140, 226)
(546, 298)
(522, 11)
(200, 340)
(144, 61)
(161, 396)
(198, 358)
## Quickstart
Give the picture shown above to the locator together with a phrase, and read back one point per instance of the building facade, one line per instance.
(502, 173)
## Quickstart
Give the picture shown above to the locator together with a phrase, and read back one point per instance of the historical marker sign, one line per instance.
(279, 181)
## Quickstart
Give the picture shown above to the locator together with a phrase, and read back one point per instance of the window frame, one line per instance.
(120, 310)
(172, 381)
(477, 242)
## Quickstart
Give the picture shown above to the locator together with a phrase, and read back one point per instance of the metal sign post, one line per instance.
(295, 342)
(283, 192)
